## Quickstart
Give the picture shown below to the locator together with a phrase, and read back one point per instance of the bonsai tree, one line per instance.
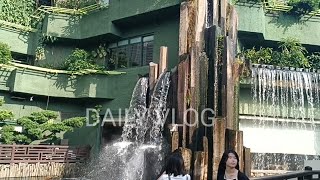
(39, 126)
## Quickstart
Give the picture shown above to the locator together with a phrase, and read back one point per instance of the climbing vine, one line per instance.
(18, 12)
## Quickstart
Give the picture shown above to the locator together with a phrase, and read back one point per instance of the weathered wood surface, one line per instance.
(184, 26)
(183, 82)
(218, 143)
(187, 157)
(199, 166)
(205, 159)
(163, 62)
(247, 161)
(153, 74)
(175, 140)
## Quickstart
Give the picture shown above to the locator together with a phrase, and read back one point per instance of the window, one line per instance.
(45, 3)
(131, 52)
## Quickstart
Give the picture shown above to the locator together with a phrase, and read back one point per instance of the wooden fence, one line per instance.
(42, 154)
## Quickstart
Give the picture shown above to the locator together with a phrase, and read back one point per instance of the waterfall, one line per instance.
(282, 131)
(138, 154)
(136, 112)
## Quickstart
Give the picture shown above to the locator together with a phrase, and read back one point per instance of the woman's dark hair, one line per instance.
(174, 164)
(224, 158)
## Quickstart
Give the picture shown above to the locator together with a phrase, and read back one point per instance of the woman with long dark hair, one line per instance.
(229, 167)
(174, 168)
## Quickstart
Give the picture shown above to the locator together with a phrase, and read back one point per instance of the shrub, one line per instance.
(5, 54)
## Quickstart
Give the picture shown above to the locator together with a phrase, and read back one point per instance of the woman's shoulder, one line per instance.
(242, 176)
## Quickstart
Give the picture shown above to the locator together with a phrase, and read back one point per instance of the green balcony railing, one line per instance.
(276, 5)
(281, 5)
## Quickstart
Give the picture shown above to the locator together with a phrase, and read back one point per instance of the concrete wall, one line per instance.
(18, 41)
(253, 20)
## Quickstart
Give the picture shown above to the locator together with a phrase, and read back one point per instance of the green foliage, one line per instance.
(262, 56)
(74, 4)
(292, 54)
(40, 126)
(75, 122)
(22, 139)
(43, 116)
(301, 7)
(2, 102)
(314, 60)
(7, 134)
(5, 54)
(10, 136)
(80, 60)
(16, 11)
(6, 115)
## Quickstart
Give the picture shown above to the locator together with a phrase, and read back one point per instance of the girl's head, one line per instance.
(229, 159)
(175, 164)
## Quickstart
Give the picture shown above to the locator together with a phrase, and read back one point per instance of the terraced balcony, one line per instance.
(56, 83)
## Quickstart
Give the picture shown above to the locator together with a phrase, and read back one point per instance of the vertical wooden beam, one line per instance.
(184, 26)
(211, 51)
(227, 84)
(215, 9)
(187, 156)
(218, 143)
(201, 22)
(186, 98)
(175, 141)
(239, 149)
(231, 139)
(198, 173)
(247, 161)
(194, 94)
(205, 149)
(183, 73)
(223, 16)
(153, 74)
(163, 63)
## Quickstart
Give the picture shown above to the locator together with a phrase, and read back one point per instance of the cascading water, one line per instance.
(283, 130)
(139, 151)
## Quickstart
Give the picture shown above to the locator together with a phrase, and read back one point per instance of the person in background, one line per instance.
(229, 167)
(174, 168)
